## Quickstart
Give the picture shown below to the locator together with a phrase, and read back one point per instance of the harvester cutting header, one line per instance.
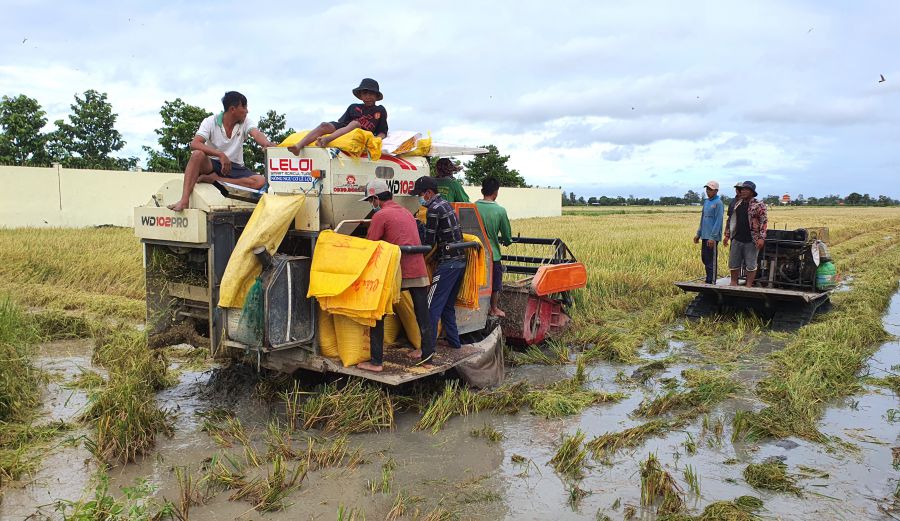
(283, 276)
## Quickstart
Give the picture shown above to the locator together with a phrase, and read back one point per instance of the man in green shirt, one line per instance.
(448, 187)
(496, 225)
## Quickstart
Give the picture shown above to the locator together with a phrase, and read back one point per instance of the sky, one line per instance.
(644, 98)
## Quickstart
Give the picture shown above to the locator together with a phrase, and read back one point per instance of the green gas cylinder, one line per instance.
(825, 275)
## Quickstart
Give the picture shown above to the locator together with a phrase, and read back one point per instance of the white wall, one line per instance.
(524, 202)
(56, 196)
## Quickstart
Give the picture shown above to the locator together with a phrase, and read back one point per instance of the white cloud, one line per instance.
(651, 96)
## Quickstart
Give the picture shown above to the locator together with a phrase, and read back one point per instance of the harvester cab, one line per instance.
(795, 280)
(186, 254)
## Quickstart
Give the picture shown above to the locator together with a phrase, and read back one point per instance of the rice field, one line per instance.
(88, 283)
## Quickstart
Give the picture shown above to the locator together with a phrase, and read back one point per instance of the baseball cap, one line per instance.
(712, 184)
(375, 187)
(424, 183)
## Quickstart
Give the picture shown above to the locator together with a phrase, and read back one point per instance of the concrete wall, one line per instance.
(524, 202)
(56, 196)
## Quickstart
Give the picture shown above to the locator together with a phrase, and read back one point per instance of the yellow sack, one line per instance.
(392, 329)
(373, 295)
(328, 343)
(355, 277)
(407, 316)
(356, 143)
(353, 341)
(337, 263)
(475, 275)
(423, 147)
(269, 222)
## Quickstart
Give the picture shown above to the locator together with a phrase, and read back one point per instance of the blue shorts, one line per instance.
(237, 171)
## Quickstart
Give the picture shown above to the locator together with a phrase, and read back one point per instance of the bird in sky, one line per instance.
(882, 80)
(810, 30)
(24, 40)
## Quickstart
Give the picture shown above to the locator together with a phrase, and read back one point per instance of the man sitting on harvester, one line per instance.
(395, 224)
(366, 115)
(218, 150)
(746, 228)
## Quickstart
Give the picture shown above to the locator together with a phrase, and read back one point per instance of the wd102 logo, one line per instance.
(164, 222)
(401, 187)
(291, 170)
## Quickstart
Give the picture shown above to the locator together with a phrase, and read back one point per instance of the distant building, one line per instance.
(785, 199)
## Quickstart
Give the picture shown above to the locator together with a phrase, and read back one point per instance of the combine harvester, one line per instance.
(794, 283)
(186, 254)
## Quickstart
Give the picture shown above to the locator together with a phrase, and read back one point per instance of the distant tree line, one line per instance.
(692, 197)
(89, 139)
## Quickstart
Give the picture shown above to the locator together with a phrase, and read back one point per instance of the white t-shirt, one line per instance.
(212, 130)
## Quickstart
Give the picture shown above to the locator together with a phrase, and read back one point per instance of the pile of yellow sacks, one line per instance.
(403, 322)
(356, 282)
(356, 143)
(475, 275)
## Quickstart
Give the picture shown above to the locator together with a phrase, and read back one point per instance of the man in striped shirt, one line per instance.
(441, 228)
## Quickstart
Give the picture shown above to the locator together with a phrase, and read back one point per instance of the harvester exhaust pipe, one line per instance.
(265, 258)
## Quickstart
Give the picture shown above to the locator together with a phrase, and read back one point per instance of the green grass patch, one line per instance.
(771, 475)
(823, 361)
(658, 487)
(703, 389)
(612, 442)
(124, 411)
(571, 455)
(357, 406)
(135, 503)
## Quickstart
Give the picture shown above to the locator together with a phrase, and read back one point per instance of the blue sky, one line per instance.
(601, 98)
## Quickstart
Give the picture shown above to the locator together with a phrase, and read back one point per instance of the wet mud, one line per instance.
(512, 479)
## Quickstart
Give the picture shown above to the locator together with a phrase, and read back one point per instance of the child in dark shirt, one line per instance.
(366, 115)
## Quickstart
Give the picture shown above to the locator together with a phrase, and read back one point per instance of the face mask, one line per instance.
(422, 201)
(376, 208)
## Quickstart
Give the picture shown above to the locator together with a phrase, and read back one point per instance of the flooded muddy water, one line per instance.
(476, 479)
(66, 467)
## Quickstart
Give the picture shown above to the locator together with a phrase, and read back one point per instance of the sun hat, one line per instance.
(368, 84)
(712, 184)
(747, 184)
(375, 187)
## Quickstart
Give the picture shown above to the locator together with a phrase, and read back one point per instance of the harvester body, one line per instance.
(186, 253)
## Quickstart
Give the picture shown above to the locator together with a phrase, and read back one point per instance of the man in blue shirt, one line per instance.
(710, 231)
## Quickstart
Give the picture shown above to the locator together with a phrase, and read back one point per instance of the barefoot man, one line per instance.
(746, 229)
(496, 226)
(395, 224)
(217, 151)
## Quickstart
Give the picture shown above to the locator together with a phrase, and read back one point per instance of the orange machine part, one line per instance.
(555, 278)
